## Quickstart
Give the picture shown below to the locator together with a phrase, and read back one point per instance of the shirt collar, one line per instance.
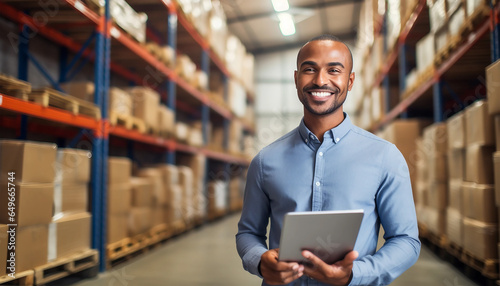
(335, 134)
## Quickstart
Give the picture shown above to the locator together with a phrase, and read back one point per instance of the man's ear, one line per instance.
(352, 76)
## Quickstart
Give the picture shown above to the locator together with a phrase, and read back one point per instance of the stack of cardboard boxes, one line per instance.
(143, 205)
(217, 199)
(119, 198)
(480, 212)
(45, 203)
(173, 212)
(493, 93)
(455, 127)
(69, 231)
(28, 172)
(435, 151)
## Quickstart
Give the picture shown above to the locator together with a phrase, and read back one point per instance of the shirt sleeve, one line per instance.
(252, 227)
(396, 210)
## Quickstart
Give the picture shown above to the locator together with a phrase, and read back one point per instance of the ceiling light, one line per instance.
(287, 26)
(280, 5)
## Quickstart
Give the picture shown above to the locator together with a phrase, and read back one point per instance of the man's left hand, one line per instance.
(338, 273)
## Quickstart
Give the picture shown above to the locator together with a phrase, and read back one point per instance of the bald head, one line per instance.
(325, 37)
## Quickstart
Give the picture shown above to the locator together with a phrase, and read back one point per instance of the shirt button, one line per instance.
(317, 184)
(321, 153)
(306, 140)
(337, 139)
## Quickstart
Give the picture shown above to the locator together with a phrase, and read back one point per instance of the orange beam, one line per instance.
(49, 113)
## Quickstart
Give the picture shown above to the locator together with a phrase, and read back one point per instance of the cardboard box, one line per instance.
(80, 89)
(117, 228)
(73, 166)
(437, 14)
(30, 247)
(457, 20)
(455, 126)
(119, 198)
(71, 198)
(33, 203)
(217, 198)
(166, 120)
(128, 19)
(146, 102)
(436, 221)
(493, 87)
(158, 215)
(181, 131)
(174, 208)
(142, 192)
(479, 203)
(497, 131)
(186, 182)
(119, 170)
(438, 196)
(28, 161)
(496, 160)
(456, 164)
(472, 5)
(3, 249)
(438, 168)
(435, 138)
(455, 227)
(455, 195)
(479, 125)
(479, 164)
(155, 176)
(120, 101)
(139, 220)
(69, 234)
(480, 239)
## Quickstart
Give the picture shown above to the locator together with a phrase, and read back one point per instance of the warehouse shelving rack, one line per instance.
(430, 91)
(102, 35)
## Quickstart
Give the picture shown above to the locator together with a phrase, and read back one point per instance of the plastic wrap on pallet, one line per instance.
(200, 15)
(248, 72)
(235, 54)
(129, 20)
(68, 234)
(185, 67)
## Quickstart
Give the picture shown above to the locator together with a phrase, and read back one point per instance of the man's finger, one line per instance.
(313, 259)
(348, 259)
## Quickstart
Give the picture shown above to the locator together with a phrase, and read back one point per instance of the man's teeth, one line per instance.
(321, 94)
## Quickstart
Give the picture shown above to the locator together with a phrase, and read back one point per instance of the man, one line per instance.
(327, 163)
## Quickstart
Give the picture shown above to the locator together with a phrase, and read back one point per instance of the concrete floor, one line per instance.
(207, 257)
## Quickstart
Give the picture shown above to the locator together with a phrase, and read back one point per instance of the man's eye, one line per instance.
(308, 69)
(334, 70)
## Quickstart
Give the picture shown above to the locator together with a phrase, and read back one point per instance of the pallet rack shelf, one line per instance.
(102, 41)
(429, 91)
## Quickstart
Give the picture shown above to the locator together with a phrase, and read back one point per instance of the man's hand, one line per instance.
(278, 273)
(338, 273)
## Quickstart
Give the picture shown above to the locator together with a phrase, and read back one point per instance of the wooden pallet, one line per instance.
(120, 119)
(14, 87)
(53, 98)
(23, 278)
(487, 267)
(159, 233)
(66, 266)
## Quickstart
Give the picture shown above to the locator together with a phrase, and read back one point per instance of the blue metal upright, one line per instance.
(495, 36)
(22, 73)
(403, 71)
(104, 91)
(225, 122)
(98, 231)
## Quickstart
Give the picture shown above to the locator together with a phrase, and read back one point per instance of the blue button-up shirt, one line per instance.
(350, 169)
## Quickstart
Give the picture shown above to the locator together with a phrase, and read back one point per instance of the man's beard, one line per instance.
(336, 104)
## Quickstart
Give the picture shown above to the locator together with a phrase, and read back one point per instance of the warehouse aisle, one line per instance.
(207, 257)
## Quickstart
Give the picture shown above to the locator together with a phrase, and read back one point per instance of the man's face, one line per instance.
(323, 76)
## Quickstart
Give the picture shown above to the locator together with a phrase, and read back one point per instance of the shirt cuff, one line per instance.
(356, 279)
(251, 260)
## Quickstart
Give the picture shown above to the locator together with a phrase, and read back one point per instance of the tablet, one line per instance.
(330, 235)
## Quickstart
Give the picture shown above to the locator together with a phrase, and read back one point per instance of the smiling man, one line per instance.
(327, 163)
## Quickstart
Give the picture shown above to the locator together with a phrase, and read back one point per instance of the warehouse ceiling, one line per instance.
(255, 22)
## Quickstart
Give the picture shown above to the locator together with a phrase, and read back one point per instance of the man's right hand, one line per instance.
(276, 272)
